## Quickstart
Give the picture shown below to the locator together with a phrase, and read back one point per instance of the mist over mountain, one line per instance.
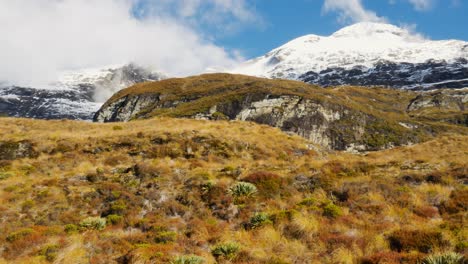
(76, 95)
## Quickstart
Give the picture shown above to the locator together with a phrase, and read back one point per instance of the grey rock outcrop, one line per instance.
(450, 106)
(449, 100)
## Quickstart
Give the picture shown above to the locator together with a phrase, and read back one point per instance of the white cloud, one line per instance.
(422, 5)
(351, 11)
(220, 14)
(412, 30)
(39, 38)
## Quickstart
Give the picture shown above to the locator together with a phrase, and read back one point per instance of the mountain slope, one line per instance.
(163, 189)
(345, 118)
(367, 54)
(76, 95)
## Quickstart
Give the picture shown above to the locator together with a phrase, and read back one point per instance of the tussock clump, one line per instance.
(96, 223)
(420, 240)
(268, 184)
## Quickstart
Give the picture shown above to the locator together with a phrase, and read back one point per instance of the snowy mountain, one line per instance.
(76, 95)
(367, 54)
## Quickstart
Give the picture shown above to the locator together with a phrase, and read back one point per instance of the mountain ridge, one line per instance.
(362, 46)
(75, 95)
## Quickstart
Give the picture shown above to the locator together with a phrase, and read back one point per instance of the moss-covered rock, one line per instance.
(11, 150)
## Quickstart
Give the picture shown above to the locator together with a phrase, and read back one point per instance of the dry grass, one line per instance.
(165, 182)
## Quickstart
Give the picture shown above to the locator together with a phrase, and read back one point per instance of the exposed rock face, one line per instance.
(417, 76)
(453, 100)
(449, 106)
(126, 108)
(311, 120)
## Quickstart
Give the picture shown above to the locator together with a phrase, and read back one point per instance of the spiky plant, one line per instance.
(242, 189)
(260, 219)
(188, 260)
(445, 258)
(227, 250)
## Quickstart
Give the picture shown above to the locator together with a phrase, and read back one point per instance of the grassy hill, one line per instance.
(340, 118)
(202, 91)
(170, 190)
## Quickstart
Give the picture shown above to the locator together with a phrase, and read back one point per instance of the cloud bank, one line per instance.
(351, 11)
(40, 38)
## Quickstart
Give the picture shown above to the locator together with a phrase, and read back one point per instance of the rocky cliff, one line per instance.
(345, 118)
(449, 106)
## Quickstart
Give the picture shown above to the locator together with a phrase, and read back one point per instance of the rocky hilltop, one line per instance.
(345, 118)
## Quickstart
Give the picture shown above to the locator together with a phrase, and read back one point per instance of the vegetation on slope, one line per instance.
(340, 118)
(203, 91)
(185, 191)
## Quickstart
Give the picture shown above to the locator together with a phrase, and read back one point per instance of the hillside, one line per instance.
(166, 190)
(342, 118)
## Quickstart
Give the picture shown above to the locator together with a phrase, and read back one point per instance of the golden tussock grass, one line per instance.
(162, 188)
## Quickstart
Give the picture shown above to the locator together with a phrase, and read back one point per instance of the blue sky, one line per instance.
(283, 20)
(42, 38)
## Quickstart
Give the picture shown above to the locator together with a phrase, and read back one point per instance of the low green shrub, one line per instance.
(259, 219)
(227, 250)
(97, 223)
(332, 211)
(70, 228)
(5, 175)
(114, 219)
(28, 204)
(188, 260)
(19, 234)
(50, 252)
(165, 237)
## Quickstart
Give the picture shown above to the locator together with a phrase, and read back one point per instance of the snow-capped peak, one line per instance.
(362, 44)
(370, 29)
